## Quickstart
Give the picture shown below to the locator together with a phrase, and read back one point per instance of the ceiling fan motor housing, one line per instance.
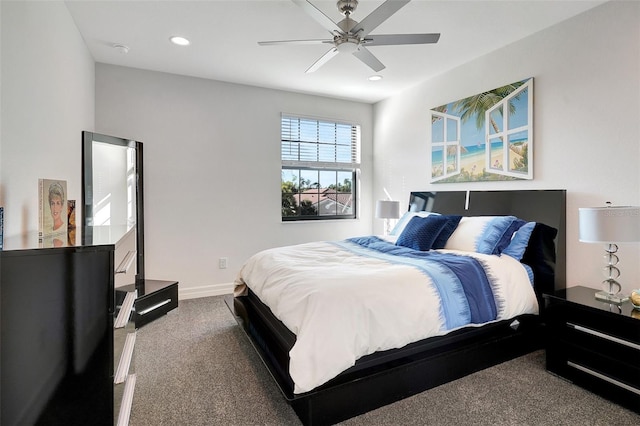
(346, 7)
(346, 25)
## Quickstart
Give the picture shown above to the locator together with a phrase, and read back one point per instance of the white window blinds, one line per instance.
(308, 142)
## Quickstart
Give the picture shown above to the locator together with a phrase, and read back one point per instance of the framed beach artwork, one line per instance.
(485, 137)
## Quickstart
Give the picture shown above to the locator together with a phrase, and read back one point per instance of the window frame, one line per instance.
(352, 167)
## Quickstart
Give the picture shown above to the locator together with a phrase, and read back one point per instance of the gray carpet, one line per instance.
(195, 366)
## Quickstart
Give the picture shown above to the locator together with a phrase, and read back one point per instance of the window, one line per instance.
(445, 145)
(320, 161)
(509, 135)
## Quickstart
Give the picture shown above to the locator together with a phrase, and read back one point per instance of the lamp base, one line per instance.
(611, 298)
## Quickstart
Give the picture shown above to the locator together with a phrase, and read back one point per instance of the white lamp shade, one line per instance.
(609, 224)
(386, 209)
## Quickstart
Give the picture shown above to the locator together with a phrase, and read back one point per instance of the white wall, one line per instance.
(212, 169)
(586, 123)
(47, 82)
(204, 165)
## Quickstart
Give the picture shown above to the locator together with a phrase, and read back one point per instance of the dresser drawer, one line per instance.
(124, 337)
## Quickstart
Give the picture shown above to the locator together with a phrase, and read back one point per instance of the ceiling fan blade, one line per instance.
(367, 57)
(318, 15)
(271, 43)
(395, 39)
(323, 60)
(378, 16)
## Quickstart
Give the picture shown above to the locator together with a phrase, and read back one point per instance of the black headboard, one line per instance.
(542, 206)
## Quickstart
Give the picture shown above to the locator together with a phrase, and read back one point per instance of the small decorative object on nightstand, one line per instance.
(610, 225)
(635, 298)
(387, 209)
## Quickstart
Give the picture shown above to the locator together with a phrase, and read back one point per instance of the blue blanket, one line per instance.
(462, 282)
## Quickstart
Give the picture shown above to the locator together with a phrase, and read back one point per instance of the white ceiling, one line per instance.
(224, 36)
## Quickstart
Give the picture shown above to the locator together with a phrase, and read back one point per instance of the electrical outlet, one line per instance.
(222, 263)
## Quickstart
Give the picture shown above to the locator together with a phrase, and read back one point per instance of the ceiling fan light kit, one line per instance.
(347, 45)
(351, 37)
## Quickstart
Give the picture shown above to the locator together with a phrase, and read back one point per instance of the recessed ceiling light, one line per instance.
(375, 78)
(180, 41)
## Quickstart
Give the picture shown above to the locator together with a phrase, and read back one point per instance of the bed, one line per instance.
(408, 359)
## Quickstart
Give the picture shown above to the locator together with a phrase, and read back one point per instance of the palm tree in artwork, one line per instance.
(476, 106)
(442, 109)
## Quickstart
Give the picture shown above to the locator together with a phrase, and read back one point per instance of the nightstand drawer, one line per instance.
(620, 350)
(605, 364)
(601, 322)
(155, 304)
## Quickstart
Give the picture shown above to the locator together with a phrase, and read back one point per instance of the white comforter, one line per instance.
(342, 305)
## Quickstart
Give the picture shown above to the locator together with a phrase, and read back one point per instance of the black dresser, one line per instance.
(594, 344)
(57, 307)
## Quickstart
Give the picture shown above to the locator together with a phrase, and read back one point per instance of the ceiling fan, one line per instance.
(350, 36)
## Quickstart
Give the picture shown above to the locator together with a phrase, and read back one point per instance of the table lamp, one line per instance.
(610, 225)
(387, 209)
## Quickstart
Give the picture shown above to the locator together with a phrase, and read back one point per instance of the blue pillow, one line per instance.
(404, 220)
(421, 232)
(520, 241)
(507, 236)
(483, 234)
(450, 226)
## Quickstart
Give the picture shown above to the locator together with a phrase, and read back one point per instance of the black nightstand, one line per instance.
(594, 344)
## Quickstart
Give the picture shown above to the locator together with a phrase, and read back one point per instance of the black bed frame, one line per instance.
(385, 377)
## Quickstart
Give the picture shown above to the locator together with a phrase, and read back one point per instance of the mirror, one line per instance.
(112, 199)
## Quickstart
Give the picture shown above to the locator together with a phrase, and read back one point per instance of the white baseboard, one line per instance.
(205, 291)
